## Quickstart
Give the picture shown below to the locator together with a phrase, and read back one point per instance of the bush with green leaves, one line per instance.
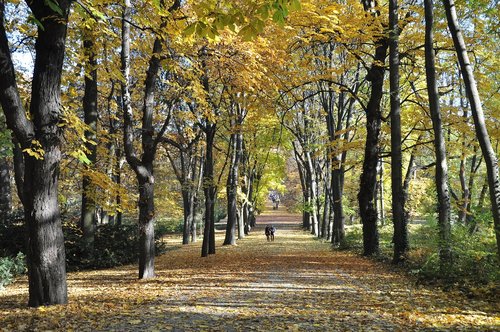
(164, 226)
(10, 267)
(474, 258)
(113, 245)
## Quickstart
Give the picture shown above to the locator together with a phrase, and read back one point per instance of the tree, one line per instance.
(90, 111)
(366, 196)
(5, 170)
(482, 135)
(40, 137)
(400, 238)
(236, 142)
(439, 142)
(143, 166)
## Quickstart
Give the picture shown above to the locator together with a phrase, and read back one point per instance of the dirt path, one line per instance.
(296, 283)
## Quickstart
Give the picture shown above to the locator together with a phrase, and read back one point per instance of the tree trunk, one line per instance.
(328, 199)
(208, 245)
(19, 167)
(338, 210)
(368, 183)
(305, 191)
(45, 248)
(311, 179)
(87, 220)
(46, 255)
(482, 135)
(231, 189)
(195, 202)
(146, 222)
(5, 171)
(144, 166)
(5, 188)
(439, 142)
(400, 237)
(241, 224)
(187, 209)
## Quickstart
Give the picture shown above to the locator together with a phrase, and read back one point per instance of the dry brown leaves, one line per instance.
(295, 283)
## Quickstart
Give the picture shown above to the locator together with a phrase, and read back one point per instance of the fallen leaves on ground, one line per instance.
(296, 283)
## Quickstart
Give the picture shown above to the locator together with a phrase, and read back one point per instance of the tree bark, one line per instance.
(231, 190)
(5, 188)
(368, 183)
(400, 237)
(146, 221)
(187, 211)
(19, 167)
(311, 180)
(482, 135)
(338, 234)
(87, 220)
(143, 167)
(439, 141)
(327, 193)
(208, 244)
(45, 248)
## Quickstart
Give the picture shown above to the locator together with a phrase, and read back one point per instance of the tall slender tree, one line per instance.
(482, 135)
(90, 113)
(400, 237)
(439, 140)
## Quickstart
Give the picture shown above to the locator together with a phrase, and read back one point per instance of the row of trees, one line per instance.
(333, 97)
(201, 97)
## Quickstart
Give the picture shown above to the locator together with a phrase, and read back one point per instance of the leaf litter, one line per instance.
(296, 283)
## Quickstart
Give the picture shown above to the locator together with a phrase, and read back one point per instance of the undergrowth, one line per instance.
(474, 267)
(114, 245)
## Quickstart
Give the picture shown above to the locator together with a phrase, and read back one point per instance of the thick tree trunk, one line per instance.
(45, 248)
(400, 237)
(87, 220)
(146, 222)
(368, 183)
(439, 141)
(46, 255)
(482, 135)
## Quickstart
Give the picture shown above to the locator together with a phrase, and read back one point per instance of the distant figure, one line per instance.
(270, 230)
(275, 198)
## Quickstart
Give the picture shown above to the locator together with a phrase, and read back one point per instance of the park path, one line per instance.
(296, 283)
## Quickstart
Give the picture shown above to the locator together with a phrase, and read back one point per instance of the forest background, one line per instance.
(140, 118)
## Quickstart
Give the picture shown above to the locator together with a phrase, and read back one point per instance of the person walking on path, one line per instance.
(270, 230)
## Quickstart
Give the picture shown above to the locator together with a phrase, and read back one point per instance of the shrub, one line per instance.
(11, 267)
(165, 226)
(114, 245)
(474, 259)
